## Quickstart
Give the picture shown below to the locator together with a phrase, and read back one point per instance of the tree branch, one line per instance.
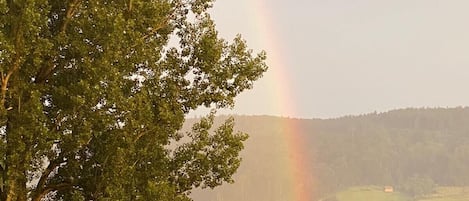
(129, 8)
(71, 9)
(42, 181)
(158, 27)
(18, 38)
(40, 188)
(50, 188)
(46, 70)
(6, 79)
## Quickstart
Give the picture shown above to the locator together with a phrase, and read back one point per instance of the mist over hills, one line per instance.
(402, 148)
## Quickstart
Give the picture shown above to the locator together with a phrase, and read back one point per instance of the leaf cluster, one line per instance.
(94, 92)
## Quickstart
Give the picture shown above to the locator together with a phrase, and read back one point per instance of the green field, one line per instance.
(370, 193)
(374, 193)
(449, 194)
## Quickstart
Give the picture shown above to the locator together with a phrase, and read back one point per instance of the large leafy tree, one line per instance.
(93, 94)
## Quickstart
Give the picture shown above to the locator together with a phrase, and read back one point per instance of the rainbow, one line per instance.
(283, 102)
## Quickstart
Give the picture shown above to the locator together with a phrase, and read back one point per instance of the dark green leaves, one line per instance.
(94, 93)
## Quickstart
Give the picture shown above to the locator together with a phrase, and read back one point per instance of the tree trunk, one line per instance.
(16, 157)
(16, 183)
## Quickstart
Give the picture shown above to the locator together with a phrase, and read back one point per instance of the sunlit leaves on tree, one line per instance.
(93, 94)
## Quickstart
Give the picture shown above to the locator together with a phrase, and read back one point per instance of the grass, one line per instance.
(448, 194)
(375, 193)
(370, 193)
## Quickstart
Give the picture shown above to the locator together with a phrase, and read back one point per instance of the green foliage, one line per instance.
(386, 149)
(448, 193)
(93, 95)
(391, 148)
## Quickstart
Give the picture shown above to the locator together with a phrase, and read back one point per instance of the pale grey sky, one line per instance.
(356, 56)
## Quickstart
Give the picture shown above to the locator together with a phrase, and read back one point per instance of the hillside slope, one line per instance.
(374, 149)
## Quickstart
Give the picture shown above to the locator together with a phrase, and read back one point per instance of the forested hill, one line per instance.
(404, 148)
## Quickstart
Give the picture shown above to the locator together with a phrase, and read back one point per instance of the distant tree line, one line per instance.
(411, 149)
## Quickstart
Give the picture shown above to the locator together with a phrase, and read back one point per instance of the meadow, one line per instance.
(375, 193)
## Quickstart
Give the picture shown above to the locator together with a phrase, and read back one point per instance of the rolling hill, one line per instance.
(413, 150)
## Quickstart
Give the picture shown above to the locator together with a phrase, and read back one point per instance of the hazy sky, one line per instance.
(353, 56)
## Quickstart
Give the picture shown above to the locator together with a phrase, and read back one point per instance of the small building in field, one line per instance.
(388, 189)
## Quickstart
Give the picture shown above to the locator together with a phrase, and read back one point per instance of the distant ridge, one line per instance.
(386, 148)
(339, 117)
